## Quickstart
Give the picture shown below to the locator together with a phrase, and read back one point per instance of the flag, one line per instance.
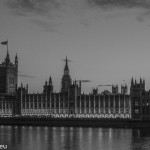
(4, 43)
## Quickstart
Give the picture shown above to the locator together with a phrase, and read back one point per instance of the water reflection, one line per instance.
(140, 139)
(63, 138)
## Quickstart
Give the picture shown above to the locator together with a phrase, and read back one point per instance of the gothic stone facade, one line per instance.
(70, 101)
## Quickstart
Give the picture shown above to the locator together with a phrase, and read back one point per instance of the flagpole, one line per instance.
(7, 45)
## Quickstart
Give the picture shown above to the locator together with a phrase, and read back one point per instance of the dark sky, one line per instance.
(108, 41)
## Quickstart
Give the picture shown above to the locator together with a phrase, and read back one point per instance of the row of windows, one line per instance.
(5, 106)
(101, 111)
(56, 105)
(144, 111)
(42, 105)
(82, 97)
(66, 105)
(86, 102)
(116, 104)
(72, 111)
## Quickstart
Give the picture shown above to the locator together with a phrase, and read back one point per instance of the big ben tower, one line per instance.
(66, 79)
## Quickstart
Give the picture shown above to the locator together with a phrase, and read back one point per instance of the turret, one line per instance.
(50, 80)
(27, 88)
(21, 85)
(75, 82)
(136, 92)
(143, 83)
(7, 59)
(45, 88)
(132, 82)
(9, 75)
(115, 89)
(124, 89)
(48, 87)
(135, 82)
(95, 91)
(140, 81)
(16, 60)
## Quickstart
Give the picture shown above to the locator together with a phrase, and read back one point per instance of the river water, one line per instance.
(70, 138)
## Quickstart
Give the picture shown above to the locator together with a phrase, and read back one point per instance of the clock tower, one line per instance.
(66, 79)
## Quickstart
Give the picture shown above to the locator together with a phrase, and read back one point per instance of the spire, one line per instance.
(7, 59)
(66, 69)
(21, 85)
(135, 82)
(27, 88)
(16, 58)
(66, 66)
(46, 83)
(144, 83)
(50, 80)
(132, 82)
(66, 79)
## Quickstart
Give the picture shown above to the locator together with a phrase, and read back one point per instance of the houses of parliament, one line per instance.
(71, 102)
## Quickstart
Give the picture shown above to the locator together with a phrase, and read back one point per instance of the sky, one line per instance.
(107, 41)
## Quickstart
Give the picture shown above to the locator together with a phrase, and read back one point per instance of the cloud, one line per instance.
(120, 3)
(54, 12)
(40, 12)
(45, 25)
(144, 16)
(41, 7)
(45, 7)
(68, 10)
(126, 4)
